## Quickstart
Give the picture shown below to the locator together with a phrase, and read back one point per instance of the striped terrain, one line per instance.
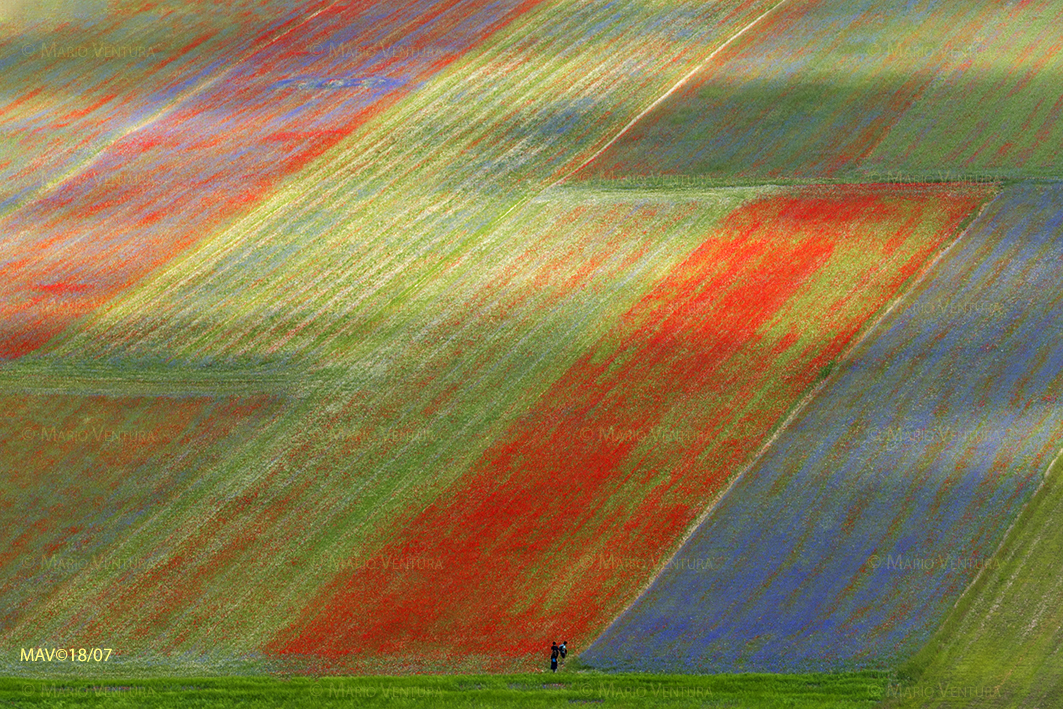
(216, 149)
(79, 472)
(78, 75)
(362, 460)
(999, 646)
(847, 544)
(409, 194)
(245, 489)
(323, 361)
(618, 456)
(862, 91)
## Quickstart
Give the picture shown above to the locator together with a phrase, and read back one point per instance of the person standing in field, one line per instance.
(563, 651)
(555, 651)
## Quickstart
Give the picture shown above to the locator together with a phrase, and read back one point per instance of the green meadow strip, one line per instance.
(521, 691)
(96, 379)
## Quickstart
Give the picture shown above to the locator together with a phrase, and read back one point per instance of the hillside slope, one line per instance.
(847, 544)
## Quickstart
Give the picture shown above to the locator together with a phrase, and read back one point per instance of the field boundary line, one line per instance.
(1007, 533)
(689, 75)
(949, 640)
(524, 201)
(844, 358)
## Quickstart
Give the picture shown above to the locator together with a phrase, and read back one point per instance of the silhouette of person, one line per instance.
(555, 651)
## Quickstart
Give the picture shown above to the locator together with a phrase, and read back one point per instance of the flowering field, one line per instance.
(356, 454)
(389, 237)
(214, 148)
(865, 91)
(75, 84)
(320, 360)
(998, 646)
(563, 518)
(79, 472)
(656, 340)
(408, 196)
(850, 540)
